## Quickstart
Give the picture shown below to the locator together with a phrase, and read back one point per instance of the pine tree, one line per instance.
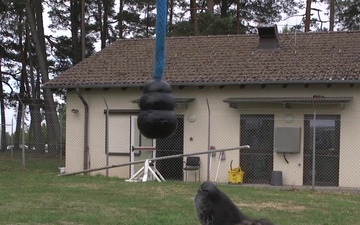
(235, 16)
(348, 14)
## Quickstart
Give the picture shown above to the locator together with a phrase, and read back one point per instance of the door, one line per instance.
(171, 169)
(257, 161)
(327, 149)
(141, 147)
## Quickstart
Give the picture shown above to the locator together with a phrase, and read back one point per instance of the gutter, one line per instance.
(207, 83)
(86, 131)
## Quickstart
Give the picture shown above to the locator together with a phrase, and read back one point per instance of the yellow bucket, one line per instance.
(236, 176)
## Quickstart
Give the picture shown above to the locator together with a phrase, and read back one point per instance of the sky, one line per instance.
(291, 21)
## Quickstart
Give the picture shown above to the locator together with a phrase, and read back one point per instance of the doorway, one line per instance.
(257, 131)
(171, 169)
(141, 147)
(327, 149)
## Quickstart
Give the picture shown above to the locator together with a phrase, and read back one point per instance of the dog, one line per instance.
(213, 207)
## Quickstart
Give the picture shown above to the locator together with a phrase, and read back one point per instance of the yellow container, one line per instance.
(236, 176)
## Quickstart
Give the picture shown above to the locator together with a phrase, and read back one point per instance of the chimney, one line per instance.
(268, 38)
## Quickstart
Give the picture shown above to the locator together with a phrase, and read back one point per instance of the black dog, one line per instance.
(213, 207)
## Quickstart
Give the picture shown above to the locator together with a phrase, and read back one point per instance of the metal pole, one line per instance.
(107, 136)
(156, 159)
(61, 134)
(12, 141)
(209, 130)
(313, 153)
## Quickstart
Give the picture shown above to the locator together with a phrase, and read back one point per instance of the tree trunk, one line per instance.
(106, 21)
(83, 29)
(100, 15)
(193, 16)
(18, 127)
(238, 16)
(224, 8)
(21, 94)
(21, 97)
(35, 134)
(75, 24)
(120, 22)
(210, 7)
(332, 15)
(52, 122)
(307, 15)
(147, 19)
(3, 118)
(171, 14)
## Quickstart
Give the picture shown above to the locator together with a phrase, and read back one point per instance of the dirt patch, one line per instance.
(272, 205)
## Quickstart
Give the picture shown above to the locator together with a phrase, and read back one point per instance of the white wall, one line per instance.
(225, 126)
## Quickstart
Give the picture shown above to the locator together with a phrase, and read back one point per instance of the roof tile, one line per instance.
(307, 57)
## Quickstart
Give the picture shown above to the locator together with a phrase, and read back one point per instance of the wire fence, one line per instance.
(287, 147)
(33, 146)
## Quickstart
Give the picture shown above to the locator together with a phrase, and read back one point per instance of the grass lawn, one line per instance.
(44, 198)
(33, 162)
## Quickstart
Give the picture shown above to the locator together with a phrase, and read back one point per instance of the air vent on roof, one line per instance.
(268, 38)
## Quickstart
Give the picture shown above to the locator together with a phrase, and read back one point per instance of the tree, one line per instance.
(307, 15)
(37, 31)
(348, 14)
(235, 16)
(2, 108)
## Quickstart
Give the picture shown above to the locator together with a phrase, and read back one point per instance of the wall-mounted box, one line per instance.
(287, 139)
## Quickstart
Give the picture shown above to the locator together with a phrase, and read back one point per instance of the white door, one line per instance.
(141, 147)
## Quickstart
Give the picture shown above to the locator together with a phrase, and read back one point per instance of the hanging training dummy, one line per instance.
(157, 118)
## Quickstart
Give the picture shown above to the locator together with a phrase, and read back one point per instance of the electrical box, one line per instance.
(287, 139)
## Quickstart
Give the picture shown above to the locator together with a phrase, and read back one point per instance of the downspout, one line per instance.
(209, 130)
(313, 171)
(86, 131)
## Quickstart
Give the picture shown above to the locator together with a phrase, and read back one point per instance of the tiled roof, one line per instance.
(332, 57)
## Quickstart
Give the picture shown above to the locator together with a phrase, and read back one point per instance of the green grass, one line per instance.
(33, 162)
(44, 198)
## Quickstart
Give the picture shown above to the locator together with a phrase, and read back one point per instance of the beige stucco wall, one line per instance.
(225, 127)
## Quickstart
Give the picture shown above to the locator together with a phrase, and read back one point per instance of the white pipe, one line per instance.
(156, 159)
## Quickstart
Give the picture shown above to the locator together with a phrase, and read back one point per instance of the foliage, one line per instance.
(348, 14)
(209, 25)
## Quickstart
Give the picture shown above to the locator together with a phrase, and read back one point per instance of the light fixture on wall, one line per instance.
(289, 118)
(191, 118)
(74, 111)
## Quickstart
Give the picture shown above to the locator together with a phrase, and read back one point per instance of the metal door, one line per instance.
(172, 169)
(257, 162)
(327, 149)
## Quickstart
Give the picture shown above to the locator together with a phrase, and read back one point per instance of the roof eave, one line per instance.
(206, 83)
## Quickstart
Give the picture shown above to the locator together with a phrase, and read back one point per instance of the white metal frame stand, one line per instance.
(143, 173)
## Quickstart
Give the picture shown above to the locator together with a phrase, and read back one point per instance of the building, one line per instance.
(270, 91)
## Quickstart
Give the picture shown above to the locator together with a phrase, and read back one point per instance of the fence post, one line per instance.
(107, 136)
(209, 130)
(313, 153)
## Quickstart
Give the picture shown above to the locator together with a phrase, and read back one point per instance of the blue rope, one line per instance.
(161, 14)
